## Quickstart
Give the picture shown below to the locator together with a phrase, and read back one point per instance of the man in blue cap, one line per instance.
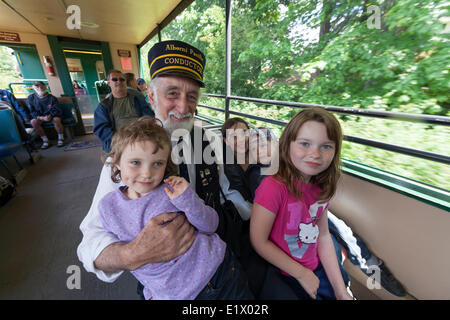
(176, 70)
(142, 86)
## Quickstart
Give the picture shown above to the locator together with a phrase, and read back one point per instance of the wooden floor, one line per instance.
(39, 229)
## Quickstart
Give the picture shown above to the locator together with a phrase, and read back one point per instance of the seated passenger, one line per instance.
(132, 85)
(263, 149)
(142, 86)
(236, 155)
(117, 109)
(79, 90)
(141, 159)
(44, 107)
(289, 225)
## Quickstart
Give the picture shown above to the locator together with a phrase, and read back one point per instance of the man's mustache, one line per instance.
(180, 115)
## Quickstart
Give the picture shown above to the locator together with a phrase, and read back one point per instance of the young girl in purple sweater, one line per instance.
(140, 158)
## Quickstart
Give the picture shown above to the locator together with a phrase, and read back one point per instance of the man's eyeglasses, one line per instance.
(117, 79)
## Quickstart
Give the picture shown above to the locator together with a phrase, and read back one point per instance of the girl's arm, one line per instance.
(201, 216)
(261, 223)
(327, 256)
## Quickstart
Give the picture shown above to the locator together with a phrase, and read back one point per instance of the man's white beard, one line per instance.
(171, 126)
(41, 93)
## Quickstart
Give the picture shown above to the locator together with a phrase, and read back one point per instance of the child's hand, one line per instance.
(344, 295)
(309, 282)
(178, 184)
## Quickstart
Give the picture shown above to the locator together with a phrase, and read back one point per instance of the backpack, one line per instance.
(7, 190)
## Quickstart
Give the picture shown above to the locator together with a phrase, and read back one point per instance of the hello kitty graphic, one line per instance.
(308, 233)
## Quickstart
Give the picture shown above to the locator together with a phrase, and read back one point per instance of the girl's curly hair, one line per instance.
(143, 129)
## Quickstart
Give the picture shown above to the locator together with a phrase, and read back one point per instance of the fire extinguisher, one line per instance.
(48, 64)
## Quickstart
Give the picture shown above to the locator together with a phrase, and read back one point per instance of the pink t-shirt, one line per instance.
(295, 229)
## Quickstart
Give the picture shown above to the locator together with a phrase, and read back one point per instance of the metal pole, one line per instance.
(159, 32)
(229, 5)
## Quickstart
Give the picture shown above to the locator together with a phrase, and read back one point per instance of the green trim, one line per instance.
(78, 45)
(141, 74)
(417, 190)
(107, 59)
(64, 77)
(61, 65)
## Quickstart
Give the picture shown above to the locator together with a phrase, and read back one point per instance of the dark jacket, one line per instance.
(8, 97)
(104, 124)
(246, 182)
(45, 106)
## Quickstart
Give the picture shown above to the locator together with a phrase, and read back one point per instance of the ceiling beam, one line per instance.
(22, 16)
(172, 15)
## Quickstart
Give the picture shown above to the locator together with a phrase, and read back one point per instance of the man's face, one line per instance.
(175, 101)
(117, 84)
(40, 89)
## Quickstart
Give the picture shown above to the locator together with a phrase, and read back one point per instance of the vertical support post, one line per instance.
(159, 32)
(228, 8)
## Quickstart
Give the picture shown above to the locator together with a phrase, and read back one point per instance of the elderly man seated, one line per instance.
(44, 107)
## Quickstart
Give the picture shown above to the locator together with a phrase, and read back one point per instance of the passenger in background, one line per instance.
(263, 149)
(142, 86)
(253, 149)
(236, 155)
(289, 224)
(132, 84)
(118, 109)
(44, 107)
(79, 90)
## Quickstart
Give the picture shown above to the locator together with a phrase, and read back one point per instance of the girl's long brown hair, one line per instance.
(327, 179)
(143, 129)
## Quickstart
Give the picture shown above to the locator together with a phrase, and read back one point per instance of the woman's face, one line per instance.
(237, 138)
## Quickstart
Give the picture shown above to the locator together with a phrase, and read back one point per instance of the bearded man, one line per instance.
(176, 70)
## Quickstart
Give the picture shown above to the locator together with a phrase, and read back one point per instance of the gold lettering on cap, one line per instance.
(175, 48)
(195, 54)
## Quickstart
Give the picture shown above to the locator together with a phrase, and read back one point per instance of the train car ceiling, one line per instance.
(124, 21)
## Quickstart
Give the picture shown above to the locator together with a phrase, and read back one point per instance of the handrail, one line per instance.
(411, 117)
(442, 120)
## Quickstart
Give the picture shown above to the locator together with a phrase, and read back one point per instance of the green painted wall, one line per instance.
(28, 61)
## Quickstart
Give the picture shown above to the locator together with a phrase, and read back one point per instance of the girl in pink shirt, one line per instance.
(289, 224)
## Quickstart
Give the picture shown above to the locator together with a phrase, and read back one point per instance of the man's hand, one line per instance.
(45, 118)
(160, 241)
(178, 184)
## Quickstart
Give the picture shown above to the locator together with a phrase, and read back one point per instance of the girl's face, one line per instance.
(239, 140)
(312, 151)
(141, 169)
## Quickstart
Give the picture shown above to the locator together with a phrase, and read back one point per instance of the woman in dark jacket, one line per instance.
(244, 155)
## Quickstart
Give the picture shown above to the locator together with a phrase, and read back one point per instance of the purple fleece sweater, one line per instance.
(185, 276)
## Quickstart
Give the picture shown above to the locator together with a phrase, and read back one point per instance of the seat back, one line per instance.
(8, 129)
(67, 116)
